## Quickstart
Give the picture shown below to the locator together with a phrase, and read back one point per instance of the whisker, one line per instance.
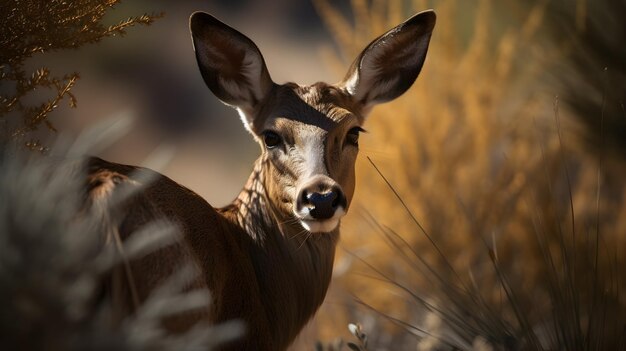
(300, 233)
(292, 220)
(308, 235)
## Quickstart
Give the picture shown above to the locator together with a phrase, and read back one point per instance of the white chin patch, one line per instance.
(323, 226)
(320, 226)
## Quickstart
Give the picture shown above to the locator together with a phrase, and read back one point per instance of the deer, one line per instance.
(266, 258)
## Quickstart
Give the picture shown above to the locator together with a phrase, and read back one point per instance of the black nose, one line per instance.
(322, 205)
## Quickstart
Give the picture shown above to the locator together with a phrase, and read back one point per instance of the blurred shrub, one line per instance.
(56, 255)
(515, 236)
(592, 34)
(30, 27)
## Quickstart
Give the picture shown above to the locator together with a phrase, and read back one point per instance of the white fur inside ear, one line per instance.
(371, 83)
(235, 89)
(239, 70)
(251, 88)
(351, 83)
(253, 70)
(387, 67)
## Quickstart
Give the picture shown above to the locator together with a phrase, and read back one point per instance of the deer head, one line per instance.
(309, 135)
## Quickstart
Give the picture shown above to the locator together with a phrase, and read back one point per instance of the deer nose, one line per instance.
(322, 204)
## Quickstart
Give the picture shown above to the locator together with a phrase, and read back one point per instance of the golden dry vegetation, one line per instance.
(517, 234)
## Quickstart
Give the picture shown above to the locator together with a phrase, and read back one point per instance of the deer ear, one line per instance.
(390, 64)
(231, 64)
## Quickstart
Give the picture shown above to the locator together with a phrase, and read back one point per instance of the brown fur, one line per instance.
(256, 257)
(273, 284)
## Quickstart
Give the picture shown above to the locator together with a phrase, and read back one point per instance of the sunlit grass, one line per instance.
(522, 236)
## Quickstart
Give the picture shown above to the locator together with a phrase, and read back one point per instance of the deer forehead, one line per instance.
(307, 113)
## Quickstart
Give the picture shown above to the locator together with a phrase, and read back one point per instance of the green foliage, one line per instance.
(31, 27)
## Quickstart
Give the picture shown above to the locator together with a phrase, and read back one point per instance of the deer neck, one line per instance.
(293, 267)
(252, 210)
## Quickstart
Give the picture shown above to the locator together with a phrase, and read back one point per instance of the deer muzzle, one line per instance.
(320, 204)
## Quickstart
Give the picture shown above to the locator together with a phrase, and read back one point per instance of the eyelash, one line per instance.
(353, 135)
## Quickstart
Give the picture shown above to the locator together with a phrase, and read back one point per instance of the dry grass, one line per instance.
(54, 259)
(522, 236)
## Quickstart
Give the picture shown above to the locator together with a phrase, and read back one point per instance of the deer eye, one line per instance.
(353, 136)
(271, 139)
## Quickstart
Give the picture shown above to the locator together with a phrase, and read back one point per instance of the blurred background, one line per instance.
(508, 151)
(152, 75)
